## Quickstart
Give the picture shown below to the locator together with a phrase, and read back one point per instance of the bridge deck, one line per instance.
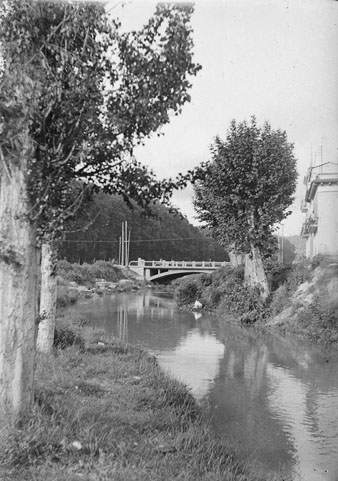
(162, 264)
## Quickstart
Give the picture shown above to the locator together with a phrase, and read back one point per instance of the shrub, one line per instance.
(65, 337)
(87, 273)
(188, 290)
(277, 274)
(320, 319)
(105, 270)
(65, 297)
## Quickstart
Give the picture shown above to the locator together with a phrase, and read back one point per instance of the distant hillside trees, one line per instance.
(162, 235)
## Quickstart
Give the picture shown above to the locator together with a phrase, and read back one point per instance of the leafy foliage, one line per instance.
(191, 288)
(87, 93)
(247, 187)
(224, 290)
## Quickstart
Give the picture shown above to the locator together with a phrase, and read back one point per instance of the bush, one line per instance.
(320, 319)
(65, 337)
(65, 297)
(190, 289)
(85, 274)
(277, 274)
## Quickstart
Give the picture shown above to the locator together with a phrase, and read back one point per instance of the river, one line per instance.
(273, 397)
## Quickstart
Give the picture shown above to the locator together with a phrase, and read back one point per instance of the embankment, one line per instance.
(105, 411)
(308, 306)
(304, 299)
(88, 280)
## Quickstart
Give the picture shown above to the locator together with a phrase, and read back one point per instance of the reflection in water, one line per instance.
(275, 398)
(310, 420)
(122, 323)
(195, 361)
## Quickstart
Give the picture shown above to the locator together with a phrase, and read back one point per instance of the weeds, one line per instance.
(65, 337)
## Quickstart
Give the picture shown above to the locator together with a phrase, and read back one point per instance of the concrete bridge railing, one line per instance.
(151, 270)
(178, 264)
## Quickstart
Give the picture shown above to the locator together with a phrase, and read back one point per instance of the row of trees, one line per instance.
(76, 96)
(154, 235)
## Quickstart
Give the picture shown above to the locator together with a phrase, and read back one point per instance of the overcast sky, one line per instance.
(275, 59)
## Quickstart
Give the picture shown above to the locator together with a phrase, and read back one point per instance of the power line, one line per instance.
(139, 240)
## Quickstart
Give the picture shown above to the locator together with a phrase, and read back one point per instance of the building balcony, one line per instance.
(310, 226)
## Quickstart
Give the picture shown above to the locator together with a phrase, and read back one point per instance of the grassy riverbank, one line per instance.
(108, 412)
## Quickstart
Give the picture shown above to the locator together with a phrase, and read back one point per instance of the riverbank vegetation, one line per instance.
(105, 410)
(303, 298)
(224, 290)
(84, 274)
(306, 304)
(84, 280)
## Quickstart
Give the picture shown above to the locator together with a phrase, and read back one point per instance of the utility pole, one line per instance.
(124, 245)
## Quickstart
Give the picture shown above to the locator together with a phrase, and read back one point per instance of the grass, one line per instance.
(108, 412)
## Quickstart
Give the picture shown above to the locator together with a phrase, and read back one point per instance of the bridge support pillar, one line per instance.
(147, 274)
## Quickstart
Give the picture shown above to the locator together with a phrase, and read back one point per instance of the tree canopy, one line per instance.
(89, 93)
(76, 95)
(247, 186)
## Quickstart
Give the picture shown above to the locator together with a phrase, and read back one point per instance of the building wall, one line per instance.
(326, 238)
(322, 205)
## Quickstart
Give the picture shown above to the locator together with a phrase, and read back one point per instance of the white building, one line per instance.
(320, 227)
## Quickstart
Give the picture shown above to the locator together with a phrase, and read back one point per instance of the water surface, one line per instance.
(274, 398)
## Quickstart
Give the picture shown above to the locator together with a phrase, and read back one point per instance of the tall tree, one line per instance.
(76, 95)
(247, 187)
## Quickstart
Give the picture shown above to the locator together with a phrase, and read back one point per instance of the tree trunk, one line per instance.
(46, 329)
(18, 283)
(254, 273)
(236, 259)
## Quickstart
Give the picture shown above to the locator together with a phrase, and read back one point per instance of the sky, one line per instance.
(275, 59)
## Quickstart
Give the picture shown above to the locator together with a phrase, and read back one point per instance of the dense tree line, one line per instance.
(154, 235)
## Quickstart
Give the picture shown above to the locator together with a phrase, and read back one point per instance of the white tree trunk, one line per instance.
(18, 283)
(254, 273)
(46, 328)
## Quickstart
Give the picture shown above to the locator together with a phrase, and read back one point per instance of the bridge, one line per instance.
(167, 270)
